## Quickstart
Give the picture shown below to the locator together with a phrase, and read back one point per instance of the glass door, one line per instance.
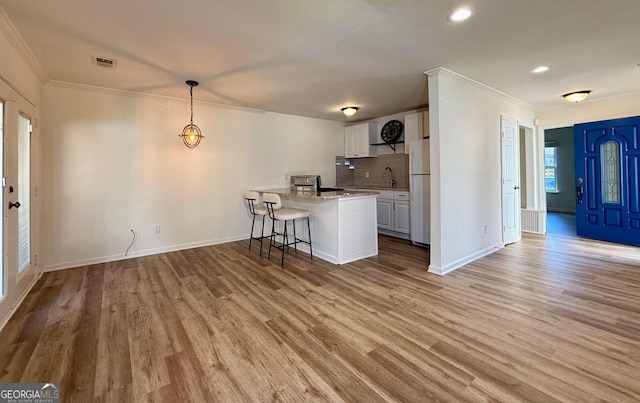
(16, 244)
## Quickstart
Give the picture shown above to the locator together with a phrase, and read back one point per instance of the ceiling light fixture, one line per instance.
(461, 14)
(540, 69)
(191, 134)
(349, 110)
(577, 96)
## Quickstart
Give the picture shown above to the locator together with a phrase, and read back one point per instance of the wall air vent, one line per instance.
(104, 61)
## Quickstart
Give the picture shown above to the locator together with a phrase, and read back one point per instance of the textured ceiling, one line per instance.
(310, 58)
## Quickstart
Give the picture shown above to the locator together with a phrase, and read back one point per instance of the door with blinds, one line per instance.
(17, 267)
(607, 156)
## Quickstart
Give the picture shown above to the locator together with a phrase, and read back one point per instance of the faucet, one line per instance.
(384, 175)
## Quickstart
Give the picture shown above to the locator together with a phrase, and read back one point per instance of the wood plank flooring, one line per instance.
(547, 319)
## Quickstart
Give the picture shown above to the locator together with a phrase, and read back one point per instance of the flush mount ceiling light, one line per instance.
(540, 69)
(461, 14)
(191, 134)
(577, 96)
(349, 110)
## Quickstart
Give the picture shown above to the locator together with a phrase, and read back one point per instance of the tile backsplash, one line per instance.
(352, 172)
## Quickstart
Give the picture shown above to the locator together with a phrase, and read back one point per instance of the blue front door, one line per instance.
(607, 184)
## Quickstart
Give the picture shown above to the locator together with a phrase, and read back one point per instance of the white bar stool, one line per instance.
(255, 208)
(278, 213)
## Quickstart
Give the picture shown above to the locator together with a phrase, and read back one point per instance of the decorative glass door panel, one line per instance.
(24, 193)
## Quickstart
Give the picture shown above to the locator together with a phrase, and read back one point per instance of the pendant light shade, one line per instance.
(349, 110)
(191, 134)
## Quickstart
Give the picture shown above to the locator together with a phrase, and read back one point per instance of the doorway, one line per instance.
(17, 150)
(559, 174)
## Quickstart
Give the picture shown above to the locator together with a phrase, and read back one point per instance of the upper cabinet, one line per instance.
(357, 140)
(416, 126)
(425, 124)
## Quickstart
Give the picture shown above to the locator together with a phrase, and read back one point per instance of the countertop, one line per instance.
(287, 193)
(376, 188)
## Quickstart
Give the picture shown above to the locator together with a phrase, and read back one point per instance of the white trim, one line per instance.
(15, 307)
(479, 85)
(146, 252)
(113, 91)
(394, 234)
(15, 39)
(441, 271)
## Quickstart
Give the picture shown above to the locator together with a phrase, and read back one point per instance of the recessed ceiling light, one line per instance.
(461, 14)
(540, 69)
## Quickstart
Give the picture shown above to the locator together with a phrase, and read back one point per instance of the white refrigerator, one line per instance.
(420, 188)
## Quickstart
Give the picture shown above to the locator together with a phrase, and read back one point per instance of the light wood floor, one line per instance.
(547, 319)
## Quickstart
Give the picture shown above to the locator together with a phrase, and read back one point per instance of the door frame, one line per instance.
(502, 179)
(14, 283)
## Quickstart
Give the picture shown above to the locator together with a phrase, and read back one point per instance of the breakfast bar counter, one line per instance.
(344, 225)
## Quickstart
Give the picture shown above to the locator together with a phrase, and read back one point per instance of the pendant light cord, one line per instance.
(191, 95)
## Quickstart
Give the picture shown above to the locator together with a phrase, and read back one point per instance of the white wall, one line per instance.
(18, 67)
(114, 162)
(590, 110)
(465, 167)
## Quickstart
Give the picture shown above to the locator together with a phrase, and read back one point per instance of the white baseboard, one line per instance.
(441, 271)
(146, 252)
(17, 304)
(561, 210)
(393, 233)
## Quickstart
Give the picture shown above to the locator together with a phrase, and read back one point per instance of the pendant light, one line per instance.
(191, 134)
(576, 96)
(349, 110)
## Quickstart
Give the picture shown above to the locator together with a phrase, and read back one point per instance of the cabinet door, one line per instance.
(362, 140)
(425, 124)
(350, 142)
(412, 129)
(401, 217)
(385, 214)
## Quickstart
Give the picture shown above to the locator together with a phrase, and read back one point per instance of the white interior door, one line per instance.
(18, 270)
(510, 181)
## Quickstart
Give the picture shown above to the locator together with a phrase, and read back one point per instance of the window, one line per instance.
(611, 171)
(551, 169)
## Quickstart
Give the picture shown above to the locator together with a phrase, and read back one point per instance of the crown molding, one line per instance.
(15, 39)
(468, 81)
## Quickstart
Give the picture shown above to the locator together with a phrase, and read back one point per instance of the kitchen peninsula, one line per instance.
(343, 223)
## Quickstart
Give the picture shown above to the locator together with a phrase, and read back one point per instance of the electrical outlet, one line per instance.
(366, 174)
(157, 229)
(286, 176)
(484, 228)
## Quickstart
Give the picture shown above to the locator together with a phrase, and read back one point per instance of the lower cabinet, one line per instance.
(393, 212)
(385, 214)
(401, 217)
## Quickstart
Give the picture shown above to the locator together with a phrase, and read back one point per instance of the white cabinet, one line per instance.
(425, 124)
(412, 129)
(393, 211)
(401, 216)
(416, 127)
(357, 140)
(401, 221)
(385, 214)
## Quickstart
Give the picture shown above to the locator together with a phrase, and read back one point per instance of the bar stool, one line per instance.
(255, 208)
(278, 213)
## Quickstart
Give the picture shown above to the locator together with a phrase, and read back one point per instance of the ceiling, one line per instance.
(311, 58)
